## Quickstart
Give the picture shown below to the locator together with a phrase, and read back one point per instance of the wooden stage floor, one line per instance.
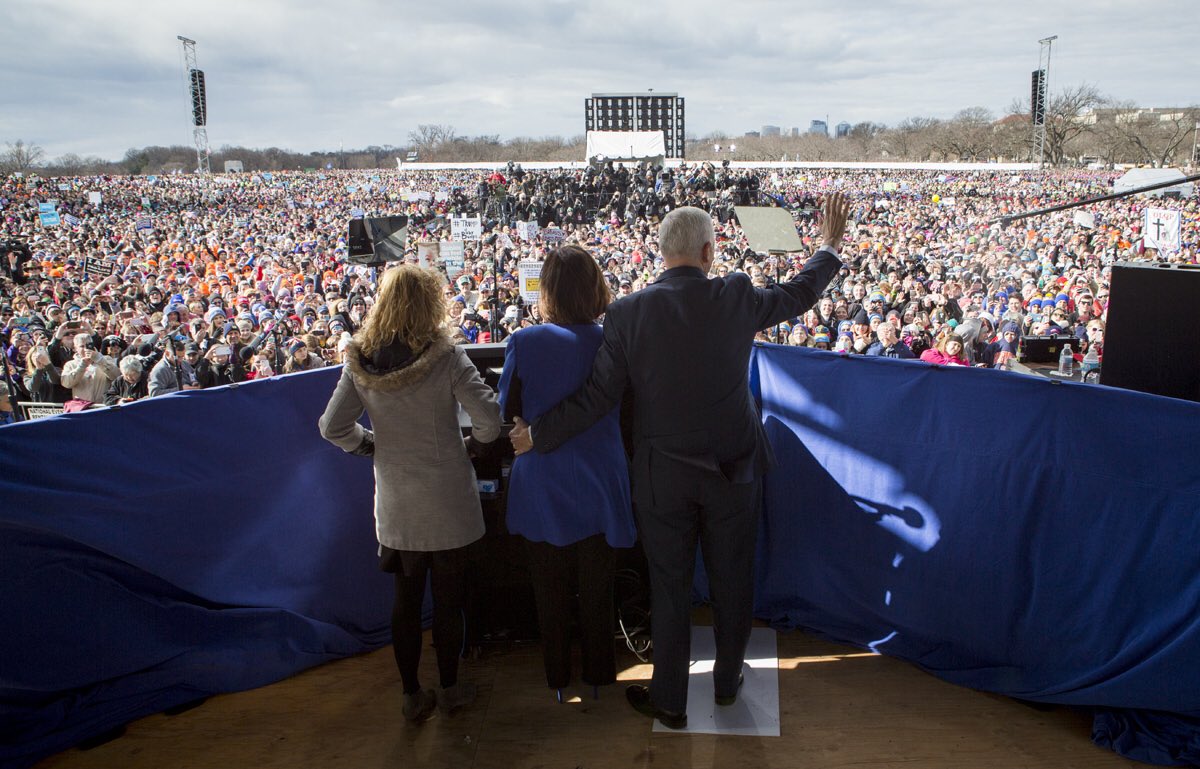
(839, 707)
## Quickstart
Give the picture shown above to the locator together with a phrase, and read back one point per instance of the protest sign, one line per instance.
(527, 231)
(427, 253)
(529, 275)
(1162, 229)
(98, 267)
(466, 228)
(452, 255)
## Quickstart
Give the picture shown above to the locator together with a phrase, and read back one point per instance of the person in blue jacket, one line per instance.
(571, 505)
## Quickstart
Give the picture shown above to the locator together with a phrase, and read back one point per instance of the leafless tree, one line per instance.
(21, 157)
(966, 136)
(429, 136)
(1153, 137)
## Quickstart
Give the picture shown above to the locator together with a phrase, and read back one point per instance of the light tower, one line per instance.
(194, 77)
(1039, 98)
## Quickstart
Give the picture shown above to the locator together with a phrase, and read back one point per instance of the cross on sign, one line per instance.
(1158, 225)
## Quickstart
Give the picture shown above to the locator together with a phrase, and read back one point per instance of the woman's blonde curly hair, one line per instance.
(411, 306)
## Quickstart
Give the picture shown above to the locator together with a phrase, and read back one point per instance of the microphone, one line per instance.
(248, 351)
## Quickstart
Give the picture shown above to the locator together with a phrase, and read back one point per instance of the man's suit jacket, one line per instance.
(683, 346)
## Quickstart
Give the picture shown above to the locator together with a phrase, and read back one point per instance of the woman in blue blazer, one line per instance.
(572, 505)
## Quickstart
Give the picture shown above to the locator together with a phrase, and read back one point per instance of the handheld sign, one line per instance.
(452, 255)
(529, 275)
(466, 228)
(553, 235)
(1162, 229)
(427, 253)
(98, 267)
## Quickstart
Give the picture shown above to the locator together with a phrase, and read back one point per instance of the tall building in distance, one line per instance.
(770, 130)
(818, 127)
(647, 111)
(843, 130)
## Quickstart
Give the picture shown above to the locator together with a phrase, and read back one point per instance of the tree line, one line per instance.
(1082, 126)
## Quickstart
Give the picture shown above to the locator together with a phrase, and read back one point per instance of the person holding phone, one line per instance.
(216, 368)
(89, 373)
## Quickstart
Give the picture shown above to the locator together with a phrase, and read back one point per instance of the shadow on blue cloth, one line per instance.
(1004, 533)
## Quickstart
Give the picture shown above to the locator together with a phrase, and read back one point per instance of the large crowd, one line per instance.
(119, 288)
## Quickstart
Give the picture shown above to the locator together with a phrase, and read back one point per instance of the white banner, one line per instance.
(466, 228)
(452, 254)
(94, 198)
(529, 274)
(1162, 229)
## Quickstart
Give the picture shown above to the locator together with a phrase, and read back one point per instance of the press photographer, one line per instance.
(13, 257)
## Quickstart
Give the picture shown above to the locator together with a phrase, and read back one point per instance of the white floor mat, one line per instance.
(756, 712)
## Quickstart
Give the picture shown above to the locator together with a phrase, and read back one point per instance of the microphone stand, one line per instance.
(12, 391)
(777, 256)
(277, 337)
(494, 301)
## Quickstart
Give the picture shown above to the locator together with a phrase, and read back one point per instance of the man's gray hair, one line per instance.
(131, 364)
(684, 232)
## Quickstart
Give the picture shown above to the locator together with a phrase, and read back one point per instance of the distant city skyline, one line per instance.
(99, 78)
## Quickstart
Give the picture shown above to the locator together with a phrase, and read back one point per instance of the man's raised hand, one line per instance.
(833, 220)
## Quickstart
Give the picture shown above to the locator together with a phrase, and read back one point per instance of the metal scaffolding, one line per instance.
(197, 103)
(1039, 104)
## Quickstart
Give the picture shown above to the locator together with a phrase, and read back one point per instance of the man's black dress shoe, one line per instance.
(639, 698)
(732, 698)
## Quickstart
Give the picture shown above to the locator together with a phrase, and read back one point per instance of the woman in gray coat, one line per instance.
(403, 371)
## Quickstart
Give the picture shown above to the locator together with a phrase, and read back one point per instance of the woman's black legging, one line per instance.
(449, 592)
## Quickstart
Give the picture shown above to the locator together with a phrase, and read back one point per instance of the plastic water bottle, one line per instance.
(1091, 361)
(1066, 361)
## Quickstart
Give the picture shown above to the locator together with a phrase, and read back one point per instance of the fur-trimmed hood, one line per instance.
(412, 371)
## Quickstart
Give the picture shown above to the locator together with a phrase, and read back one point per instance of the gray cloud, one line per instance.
(98, 78)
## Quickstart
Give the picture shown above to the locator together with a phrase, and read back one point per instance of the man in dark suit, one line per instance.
(683, 346)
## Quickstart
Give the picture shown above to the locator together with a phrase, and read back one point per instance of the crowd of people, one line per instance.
(119, 288)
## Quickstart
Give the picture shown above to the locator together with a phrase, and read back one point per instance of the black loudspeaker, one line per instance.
(1142, 351)
(199, 99)
(1037, 96)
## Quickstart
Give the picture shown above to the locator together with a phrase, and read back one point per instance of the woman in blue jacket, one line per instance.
(571, 505)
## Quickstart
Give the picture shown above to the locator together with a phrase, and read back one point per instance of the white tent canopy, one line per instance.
(626, 145)
(1144, 177)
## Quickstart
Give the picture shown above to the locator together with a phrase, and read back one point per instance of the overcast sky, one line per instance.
(97, 78)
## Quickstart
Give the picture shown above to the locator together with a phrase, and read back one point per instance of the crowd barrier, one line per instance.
(1004, 533)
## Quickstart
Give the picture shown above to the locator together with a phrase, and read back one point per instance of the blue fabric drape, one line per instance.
(173, 548)
(1008, 534)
